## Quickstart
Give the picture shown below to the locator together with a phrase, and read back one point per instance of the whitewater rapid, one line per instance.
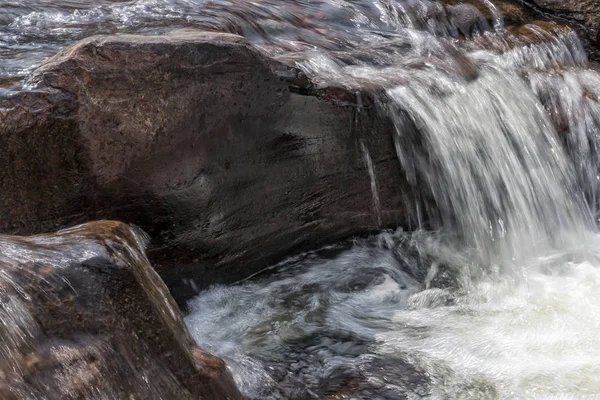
(402, 316)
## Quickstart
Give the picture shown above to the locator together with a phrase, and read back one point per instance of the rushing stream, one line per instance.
(497, 128)
(403, 316)
(502, 301)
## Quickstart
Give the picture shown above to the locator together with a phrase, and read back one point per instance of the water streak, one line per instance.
(373, 178)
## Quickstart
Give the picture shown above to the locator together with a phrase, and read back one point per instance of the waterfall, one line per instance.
(571, 99)
(496, 125)
(494, 166)
(498, 133)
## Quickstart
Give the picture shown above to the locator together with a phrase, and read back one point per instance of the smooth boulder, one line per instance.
(84, 316)
(229, 160)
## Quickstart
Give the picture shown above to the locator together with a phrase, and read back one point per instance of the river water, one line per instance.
(497, 128)
(403, 316)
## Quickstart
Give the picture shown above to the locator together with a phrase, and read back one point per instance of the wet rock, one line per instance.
(193, 137)
(516, 38)
(44, 172)
(467, 19)
(512, 13)
(381, 378)
(584, 15)
(84, 316)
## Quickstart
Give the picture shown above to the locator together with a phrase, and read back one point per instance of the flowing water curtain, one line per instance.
(571, 99)
(494, 166)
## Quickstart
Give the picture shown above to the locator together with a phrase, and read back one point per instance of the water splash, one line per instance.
(401, 316)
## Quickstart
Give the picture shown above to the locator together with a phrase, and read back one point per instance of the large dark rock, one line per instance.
(196, 139)
(84, 316)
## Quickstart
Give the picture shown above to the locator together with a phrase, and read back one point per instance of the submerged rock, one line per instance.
(194, 137)
(467, 19)
(84, 316)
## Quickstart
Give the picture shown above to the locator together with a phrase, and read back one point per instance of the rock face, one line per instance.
(583, 14)
(193, 137)
(84, 316)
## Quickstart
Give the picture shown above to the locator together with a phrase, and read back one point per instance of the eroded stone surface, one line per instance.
(84, 316)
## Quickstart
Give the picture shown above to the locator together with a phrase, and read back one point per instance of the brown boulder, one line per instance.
(84, 316)
(196, 139)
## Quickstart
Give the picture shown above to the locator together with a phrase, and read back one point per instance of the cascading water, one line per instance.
(494, 166)
(502, 301)
(571, 98)
(497, 127)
